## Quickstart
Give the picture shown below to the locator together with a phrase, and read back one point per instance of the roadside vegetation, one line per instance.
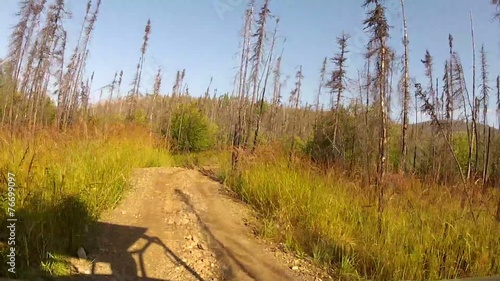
(355, 185)
(63, 182)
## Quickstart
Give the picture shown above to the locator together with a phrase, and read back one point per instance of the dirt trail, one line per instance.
(177, 224)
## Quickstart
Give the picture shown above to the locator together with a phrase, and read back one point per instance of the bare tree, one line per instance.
(428, 62)
(258, 53)
(406, 94)
(485, 89)
(450, 99)
(245, 59)
(322, 74)
(134, 95)
(498, 100)
(475, 101)
(277, 85)
(261, 107)
(376, 24)
(119, 85)
(295, 102)
(337, 83)
(462, 93)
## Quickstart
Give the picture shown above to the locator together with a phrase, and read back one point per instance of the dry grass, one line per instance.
(427, 234)
(64, 181)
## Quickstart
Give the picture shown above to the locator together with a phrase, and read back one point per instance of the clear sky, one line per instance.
(202, 36)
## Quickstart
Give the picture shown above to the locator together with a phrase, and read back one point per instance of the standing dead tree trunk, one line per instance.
(19, 50)
(337, 81)
(463, 93)
(428, 62)
(376, 23)
(241, 98)
(485, 89)
(50, 46)
(118, 91)
(475, 101)
(261, 107)
(276, 95)
(258, 53)
(498, 101)
(322, 75)
(137, 79)
(450, 102)
(406, 94)
(295, 101)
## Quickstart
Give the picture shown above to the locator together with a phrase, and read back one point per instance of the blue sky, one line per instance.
(202, 36)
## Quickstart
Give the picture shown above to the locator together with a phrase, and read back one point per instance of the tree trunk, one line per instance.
(406, 98)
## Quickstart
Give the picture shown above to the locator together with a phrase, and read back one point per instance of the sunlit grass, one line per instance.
(64, 182)
(427, 235)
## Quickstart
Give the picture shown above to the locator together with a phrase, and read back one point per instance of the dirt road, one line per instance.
(177, 224)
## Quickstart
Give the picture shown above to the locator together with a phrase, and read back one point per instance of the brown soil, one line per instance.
(177, 224)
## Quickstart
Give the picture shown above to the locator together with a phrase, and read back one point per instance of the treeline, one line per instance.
(430, 183)
(45, 83)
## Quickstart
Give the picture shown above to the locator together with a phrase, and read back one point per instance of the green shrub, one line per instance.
(191, 131)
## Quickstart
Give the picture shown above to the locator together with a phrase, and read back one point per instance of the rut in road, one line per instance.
(177, 224)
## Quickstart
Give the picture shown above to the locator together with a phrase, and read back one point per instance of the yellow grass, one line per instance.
(427, 234)
(64, 181)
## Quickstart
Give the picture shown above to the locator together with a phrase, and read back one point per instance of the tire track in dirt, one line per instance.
(177, 224)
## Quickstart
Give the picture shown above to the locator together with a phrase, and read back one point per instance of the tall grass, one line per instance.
(426, 235)
(64, 181)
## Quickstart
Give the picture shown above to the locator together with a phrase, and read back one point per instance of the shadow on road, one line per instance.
(113, 249)
(233, 254)
(60, 229)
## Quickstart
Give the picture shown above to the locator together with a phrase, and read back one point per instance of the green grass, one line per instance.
(64, 182)
(427, 235)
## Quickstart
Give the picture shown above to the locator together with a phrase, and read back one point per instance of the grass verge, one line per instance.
(63, 183)
(426, 233)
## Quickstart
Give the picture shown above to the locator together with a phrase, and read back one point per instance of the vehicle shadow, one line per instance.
(67, 226)
(113, 248)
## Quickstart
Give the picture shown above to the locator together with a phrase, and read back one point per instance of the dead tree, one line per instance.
(475, 101)
(376, 24)
(498, 100)
(134, 94)
(406, 94)
(277, 86)
(119, 85)
(295, 102)
(428, 62)
(484, 99)
(322, 74)
(245, 59)
(337, 81)
(450, 99)
(258, 53)
(261, 102)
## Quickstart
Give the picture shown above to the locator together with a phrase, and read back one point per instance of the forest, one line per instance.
(364, 195)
